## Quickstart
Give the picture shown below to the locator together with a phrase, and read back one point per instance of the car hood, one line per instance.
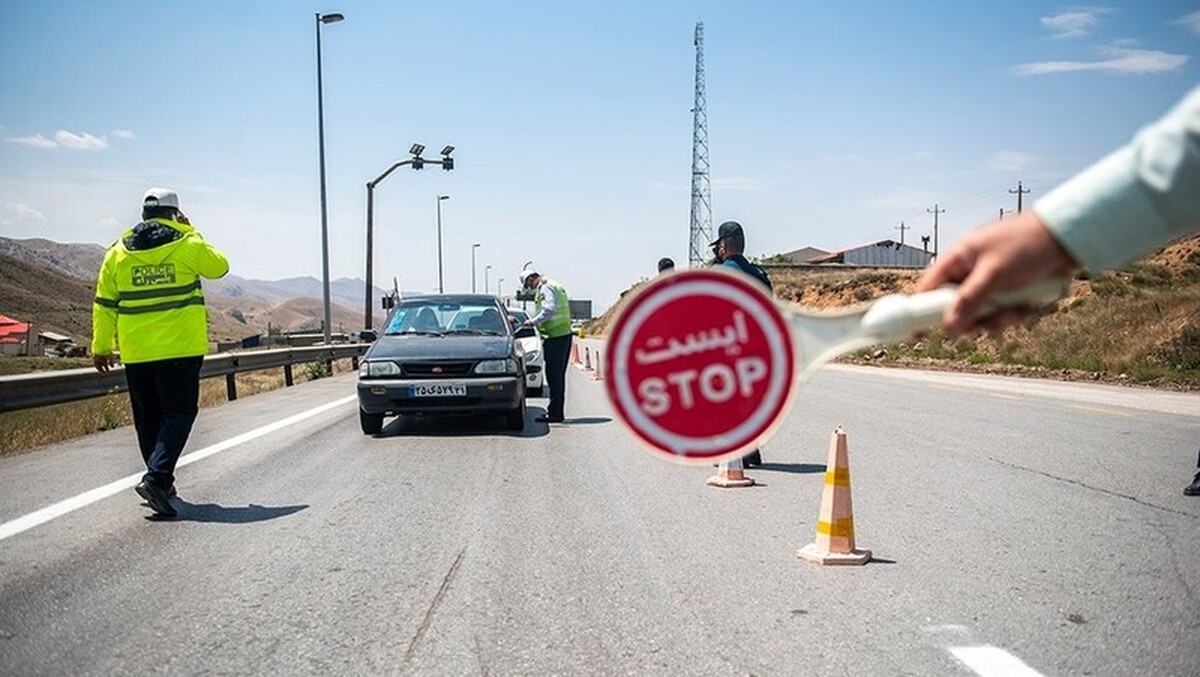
(440, 348)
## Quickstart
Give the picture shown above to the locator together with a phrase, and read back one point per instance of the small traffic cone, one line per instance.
(730, 476)
(598, 375)
(587, 358)
(835, 526)
(575, 353)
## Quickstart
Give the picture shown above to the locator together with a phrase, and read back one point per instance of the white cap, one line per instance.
(526, 274)
(160, 197)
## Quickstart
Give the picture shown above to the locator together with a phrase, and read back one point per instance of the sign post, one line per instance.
(701, 366)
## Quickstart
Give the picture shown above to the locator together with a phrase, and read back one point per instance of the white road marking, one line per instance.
(33, 519)
(990, 661)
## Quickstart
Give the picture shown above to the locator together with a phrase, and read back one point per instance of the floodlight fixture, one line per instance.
(447, 151)
(416, 149)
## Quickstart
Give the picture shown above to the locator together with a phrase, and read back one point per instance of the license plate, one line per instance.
(438, 390)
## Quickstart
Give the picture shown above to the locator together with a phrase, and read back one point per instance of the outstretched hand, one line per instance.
(1002, 255)
(102, 363)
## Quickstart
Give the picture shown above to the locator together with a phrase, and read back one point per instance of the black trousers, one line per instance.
(165, 397)
(558, 354)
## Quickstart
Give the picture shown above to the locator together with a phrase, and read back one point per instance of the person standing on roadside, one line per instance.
(729, 251)
(148, 298)
(1139, 197)
(552, 317)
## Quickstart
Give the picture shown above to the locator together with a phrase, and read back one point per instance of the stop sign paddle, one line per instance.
(701, 365)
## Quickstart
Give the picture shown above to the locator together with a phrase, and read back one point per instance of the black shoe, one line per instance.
(171, 492)
(1193, 489)
(158, 499)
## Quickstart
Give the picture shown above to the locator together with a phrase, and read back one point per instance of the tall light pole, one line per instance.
(417, 162)
(500, 288)
(441, 287)
(485, 278)
(331, 18)
(473, 248)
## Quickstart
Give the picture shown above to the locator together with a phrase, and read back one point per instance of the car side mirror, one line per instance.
(388, 302)
(367, 336)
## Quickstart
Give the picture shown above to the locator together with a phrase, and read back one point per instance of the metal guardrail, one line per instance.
(35, 390)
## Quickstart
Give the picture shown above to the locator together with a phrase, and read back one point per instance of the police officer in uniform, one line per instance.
(728, 250)
(552, 317)
(148, 299)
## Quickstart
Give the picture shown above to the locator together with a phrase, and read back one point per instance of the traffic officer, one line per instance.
(728, 250)
(148, 298)
(552, 317)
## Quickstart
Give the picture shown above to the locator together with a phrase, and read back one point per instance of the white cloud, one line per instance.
(1010, 160)
(1074, 23)
(35, 141)
(1190, 22)
(14, 213)
(123, 134)
(83, 141)
(1120, 59)
(64, 139)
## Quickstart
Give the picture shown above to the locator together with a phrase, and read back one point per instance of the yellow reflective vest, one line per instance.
(558, 324)
(148, 294)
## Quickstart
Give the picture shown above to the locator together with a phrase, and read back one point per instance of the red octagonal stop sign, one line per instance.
(700, 365)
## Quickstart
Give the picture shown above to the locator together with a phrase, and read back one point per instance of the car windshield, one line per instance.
(440, 318)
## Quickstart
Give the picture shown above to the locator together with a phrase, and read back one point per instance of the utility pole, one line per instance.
(700, 232)
(935, 211)
(1018, 192)
(902, 228)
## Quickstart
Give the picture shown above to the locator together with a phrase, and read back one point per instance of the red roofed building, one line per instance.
(13, 336)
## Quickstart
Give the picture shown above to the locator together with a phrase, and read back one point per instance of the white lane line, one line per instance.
(990, 661)
(33, 519)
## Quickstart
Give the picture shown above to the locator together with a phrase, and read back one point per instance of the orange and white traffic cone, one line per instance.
(730, 476)
(587, 358)
(835, 525)
(575, 353)
(598, 375)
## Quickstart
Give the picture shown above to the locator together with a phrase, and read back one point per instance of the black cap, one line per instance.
(728, 229)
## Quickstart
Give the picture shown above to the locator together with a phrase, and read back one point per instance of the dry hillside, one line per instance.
(56, 302)
(1141, 323)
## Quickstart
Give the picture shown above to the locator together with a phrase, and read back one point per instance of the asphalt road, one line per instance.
(1017, 525)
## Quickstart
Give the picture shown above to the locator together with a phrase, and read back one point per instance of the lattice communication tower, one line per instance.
(701, 222)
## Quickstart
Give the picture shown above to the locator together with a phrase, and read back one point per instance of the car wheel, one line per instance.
(534, 392)
(516, 418)
(371, 424)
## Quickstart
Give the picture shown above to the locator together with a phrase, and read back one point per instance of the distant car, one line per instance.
(535, 360)
(443, 354)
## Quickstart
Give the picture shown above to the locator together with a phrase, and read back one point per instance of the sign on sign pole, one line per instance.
(701, 365)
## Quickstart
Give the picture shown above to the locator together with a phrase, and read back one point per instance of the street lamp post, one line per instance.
(500, 288)
(417, 162)
(473, 248)
(330, 18)
(485, 277)
(441, 286)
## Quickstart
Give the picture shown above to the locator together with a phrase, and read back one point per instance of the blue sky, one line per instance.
(829, 123)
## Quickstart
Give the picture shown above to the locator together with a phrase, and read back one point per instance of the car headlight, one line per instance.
(379, 368)
(532, 356)
(496, 367)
